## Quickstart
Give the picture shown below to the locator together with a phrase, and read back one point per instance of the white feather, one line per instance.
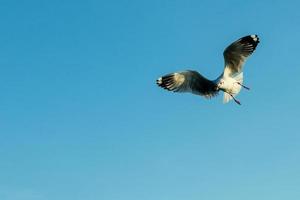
(234, 87)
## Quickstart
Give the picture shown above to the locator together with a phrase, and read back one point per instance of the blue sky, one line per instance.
(82, 118)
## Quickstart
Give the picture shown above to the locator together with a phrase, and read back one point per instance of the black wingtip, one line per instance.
(250, 39)
(250, 42)
(166, 82)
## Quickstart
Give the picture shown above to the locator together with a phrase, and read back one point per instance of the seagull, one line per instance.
(230, 81)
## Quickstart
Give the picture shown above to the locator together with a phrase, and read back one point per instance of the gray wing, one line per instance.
(236, 54)
(188, 81)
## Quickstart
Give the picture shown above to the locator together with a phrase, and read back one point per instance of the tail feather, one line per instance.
(226, 98)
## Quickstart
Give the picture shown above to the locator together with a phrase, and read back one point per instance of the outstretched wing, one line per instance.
(188, 81)
(236, 54)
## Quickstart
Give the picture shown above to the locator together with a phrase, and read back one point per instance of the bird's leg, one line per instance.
(243, 86)
(236, 101)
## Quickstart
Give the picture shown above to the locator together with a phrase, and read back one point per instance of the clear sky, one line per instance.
(82, 118)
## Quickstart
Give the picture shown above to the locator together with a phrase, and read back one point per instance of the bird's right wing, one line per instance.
(188, 81)
(236, 54)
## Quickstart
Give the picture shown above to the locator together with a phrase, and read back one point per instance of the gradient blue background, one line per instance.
(82, 118)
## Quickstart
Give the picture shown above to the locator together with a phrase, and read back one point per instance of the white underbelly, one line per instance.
(234, 89)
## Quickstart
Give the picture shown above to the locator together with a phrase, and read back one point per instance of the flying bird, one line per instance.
(230, 81)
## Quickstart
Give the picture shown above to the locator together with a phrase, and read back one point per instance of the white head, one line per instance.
(220, 84)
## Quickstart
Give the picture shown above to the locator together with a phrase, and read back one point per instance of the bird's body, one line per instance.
(230, 81)
(232, 85)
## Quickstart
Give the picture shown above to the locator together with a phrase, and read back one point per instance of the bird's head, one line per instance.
(220, 84)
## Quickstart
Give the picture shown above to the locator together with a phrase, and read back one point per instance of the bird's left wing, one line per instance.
(236, 54)
(188, 81)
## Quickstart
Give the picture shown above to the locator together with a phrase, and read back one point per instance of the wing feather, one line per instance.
(188, 81)
(236, 54)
